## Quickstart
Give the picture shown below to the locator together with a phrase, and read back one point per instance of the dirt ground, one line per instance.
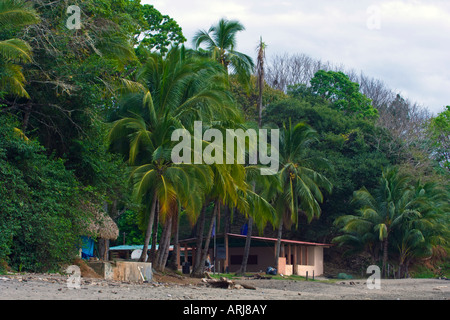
(54, 287)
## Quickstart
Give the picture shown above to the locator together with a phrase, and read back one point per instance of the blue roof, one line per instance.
(133, 247)
(127, 247)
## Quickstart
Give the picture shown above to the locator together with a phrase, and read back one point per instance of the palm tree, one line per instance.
(259, 209)
(381, 211)
(358, 239)
(228, 182)
(260, 84)
(220, 43)
(301, 185)
(14, 14)
(170, 186)
(176, 90)
(261, 50)
(424, 228)
(397, 217)
(157, 181)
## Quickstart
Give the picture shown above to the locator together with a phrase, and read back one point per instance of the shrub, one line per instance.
(39, 219)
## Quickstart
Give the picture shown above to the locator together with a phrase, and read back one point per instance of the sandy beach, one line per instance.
(54, 287)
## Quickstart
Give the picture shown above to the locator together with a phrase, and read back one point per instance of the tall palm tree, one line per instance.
(228, 186)
(170, 186)
(260, 84)
(261, 56)
(176, 90)
(228, 182)
(220, 43)
(259, 211)
(157, 181)
(301, 185)
(13, 52)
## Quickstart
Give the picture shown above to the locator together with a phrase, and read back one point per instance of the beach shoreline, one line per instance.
(55, 287)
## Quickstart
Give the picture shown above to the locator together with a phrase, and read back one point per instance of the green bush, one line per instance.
(39, 219)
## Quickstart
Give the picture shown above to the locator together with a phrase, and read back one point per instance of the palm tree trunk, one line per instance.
(154, 236)
(385, 256)
(173, 261)
(209, 234)
(401, 264)
(164, 245)
(260, 71)
(227, 219)
(407, 268)
(248, 240)
(148, 233)
(201, 266)
(198, 252)
(160, 248)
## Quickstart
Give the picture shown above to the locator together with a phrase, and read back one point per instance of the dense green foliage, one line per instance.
(357, 149)
(67, 91)
(439, 130)
(353, 156)
(343, 94)
(39, 217)
(398, 219)
(14, 14)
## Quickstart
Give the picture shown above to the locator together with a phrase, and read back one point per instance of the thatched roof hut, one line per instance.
(100, 224)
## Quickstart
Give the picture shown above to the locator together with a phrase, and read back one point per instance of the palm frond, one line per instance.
(17, 13)
(15, 50)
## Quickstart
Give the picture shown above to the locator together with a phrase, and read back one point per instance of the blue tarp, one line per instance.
(244, 229)
(87, 250)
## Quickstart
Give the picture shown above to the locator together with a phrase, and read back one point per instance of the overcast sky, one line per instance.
(405, 43)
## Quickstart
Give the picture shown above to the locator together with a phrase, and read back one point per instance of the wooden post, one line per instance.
(225, 265)
(185, 252)
(275, 251)
(306, 256)
(178, 254)
(295, 259)
(107, 250)
(289, 255)
(301, 255)
(194, 253)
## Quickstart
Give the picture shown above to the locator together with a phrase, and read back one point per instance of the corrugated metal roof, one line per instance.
(304, 243)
